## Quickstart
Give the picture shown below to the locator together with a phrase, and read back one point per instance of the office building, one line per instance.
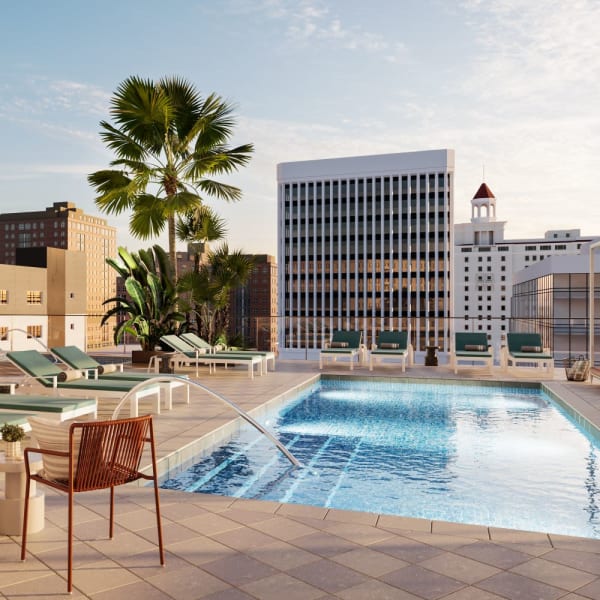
(65, 226)
(486, 265)
(43, 304)
(365, 243)
(253, 306)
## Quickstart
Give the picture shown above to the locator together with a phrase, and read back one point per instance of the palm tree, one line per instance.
(199, 226)
(211, 286)
(169, 142)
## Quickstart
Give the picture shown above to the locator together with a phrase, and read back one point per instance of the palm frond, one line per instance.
(219, 190)
(148, 218)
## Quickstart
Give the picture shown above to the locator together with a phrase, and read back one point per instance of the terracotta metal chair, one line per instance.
(101, 454)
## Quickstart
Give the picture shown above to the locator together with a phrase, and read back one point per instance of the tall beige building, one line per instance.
(63, 225)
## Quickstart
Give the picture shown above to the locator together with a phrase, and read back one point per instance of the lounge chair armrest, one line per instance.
(373, 346)
(327, 345)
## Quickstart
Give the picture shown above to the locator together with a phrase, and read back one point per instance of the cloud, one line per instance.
(311, 21)
(535, 55)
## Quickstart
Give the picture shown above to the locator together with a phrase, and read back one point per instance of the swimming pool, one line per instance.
(506, 457)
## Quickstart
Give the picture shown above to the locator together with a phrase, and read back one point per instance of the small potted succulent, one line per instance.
(12, 436)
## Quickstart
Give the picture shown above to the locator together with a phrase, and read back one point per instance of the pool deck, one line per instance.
(220, 548)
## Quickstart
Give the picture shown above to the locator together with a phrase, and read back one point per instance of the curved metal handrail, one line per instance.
(164, 378)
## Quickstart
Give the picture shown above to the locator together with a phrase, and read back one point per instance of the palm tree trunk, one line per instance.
(172, 248)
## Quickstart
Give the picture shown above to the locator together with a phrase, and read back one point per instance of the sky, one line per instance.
(513, 86)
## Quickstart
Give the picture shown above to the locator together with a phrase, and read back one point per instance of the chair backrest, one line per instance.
(393, 337)
(516, 341)
(353, 338)
(35, 364)
(469, 338)
(74, 357)
(196, 341)
(110, 452)
(177, 343)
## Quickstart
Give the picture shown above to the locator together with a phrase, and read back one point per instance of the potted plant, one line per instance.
(12, 436)
(150, 309)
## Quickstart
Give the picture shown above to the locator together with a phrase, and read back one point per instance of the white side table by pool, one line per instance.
(13, 502)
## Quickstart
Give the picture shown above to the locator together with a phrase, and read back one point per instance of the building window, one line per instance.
(34, 297)
(529, 248)
(3, 296)
(3, 334)
(34, 331)
(503, 267)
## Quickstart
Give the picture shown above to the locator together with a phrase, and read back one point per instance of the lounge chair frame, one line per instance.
(404, 352)
(354, 350)
(513, 357)
(460, 354)
(36, 367)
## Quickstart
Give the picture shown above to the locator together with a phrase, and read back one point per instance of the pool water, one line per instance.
(505, 457)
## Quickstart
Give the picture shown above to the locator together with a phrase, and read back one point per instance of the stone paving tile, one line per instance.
(369, 562)
(245, 517)
(459, 567)
(583, 561)
(267, 506)
(472, 593)
(327, 575)
(283, 529)
(374, 589)
(180, 511)
(360, 534)
(239, 569)
(282, 586)
(446, 542)
(299, 510)
(141, 590)
(479, 532)
(209, 523)
(352, 516)
(493, 554)
(229, 594)
(147, 564)
(517, 587)
(99, 577)
(52, 585)
(406, 549)
(422, 582)
(186, 583)
(243, 539)
(554, 574)
(592, 590)
(498, 534)
(200, 550)
(325, 544)
(282, 556)
(574, 543)
(83, 554)
(403, 523)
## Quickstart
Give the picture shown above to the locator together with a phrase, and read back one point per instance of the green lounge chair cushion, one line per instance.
(44, 403)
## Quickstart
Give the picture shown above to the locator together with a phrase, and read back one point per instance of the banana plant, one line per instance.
(150, 308)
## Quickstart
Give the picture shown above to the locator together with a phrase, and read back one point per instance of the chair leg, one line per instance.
(112, 512)
(70, 546)
(158, 523)
(25, 518)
